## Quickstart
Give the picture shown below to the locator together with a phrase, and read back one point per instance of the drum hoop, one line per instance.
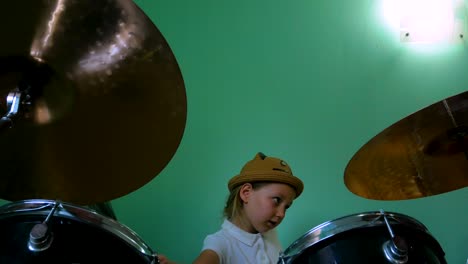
(339, 225)
(76, 212)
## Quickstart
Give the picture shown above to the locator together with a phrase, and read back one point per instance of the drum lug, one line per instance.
(395, 249)
(40, 237)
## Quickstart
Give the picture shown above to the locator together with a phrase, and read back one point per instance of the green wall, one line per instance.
(309, 81)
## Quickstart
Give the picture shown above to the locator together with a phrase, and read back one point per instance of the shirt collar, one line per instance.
(239, 234)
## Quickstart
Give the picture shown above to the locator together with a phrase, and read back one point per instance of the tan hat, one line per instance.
(266, 169)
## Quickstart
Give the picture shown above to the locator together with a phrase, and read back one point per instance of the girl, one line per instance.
(257, 203)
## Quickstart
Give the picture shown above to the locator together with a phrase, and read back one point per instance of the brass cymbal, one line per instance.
(422, 155)
(103, 105)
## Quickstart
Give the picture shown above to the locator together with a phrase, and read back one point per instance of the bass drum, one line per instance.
(366, 238)
(45, 231)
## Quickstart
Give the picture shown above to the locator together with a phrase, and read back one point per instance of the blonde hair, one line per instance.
(234, 203)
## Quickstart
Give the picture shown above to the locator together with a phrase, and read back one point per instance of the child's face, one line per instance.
(266, 206)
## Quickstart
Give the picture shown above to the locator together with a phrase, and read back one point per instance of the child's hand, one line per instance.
(164, 260)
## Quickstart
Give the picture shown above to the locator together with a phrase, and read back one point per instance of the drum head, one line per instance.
(363, 238)
(78, 235)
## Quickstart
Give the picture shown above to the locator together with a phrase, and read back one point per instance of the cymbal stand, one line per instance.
(40, 237)
(13, 105)
(30, 87)
(395, 249)
(19, 98)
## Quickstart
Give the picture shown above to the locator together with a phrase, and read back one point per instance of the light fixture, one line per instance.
(432, 21)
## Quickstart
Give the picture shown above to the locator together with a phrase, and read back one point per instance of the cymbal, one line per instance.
(424, 154)
(104, 103)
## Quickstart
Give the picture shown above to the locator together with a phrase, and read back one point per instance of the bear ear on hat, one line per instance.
(260, 155)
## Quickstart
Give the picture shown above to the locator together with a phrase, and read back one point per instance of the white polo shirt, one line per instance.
(236, 246)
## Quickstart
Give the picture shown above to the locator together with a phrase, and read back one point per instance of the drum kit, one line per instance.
(93, 107)
(422, 155)
(87, 85)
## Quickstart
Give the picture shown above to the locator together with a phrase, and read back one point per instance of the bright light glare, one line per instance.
(427, 20)
(424, 21)
(390, 11)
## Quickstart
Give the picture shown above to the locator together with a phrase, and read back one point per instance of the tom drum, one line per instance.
(365, 238)
(45, 231)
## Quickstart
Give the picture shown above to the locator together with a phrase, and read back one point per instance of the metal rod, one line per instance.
(57, 203)
(386, 222)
